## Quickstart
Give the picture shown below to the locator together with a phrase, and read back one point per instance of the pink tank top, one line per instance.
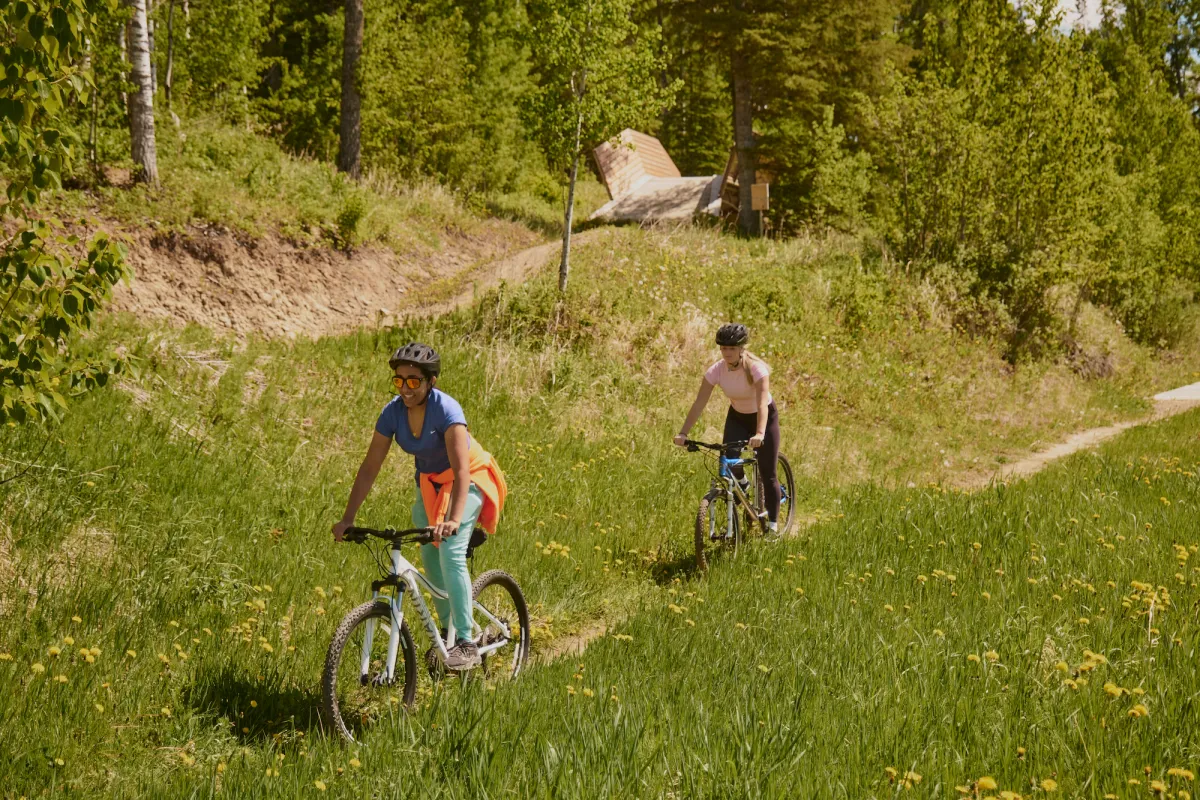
(735, 386)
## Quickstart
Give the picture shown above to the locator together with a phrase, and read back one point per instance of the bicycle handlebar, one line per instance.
(357, 535)
(693, 446)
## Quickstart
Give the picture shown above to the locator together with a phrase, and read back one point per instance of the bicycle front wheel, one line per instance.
(715, 526)
(356, 689)
(504, 637)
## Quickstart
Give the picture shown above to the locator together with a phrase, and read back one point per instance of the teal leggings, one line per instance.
(446, 564)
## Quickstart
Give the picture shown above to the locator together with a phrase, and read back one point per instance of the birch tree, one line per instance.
(141, 99)
(597, 74)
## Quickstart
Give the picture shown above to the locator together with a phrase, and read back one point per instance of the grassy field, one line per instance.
(176, 527)
(216, 174)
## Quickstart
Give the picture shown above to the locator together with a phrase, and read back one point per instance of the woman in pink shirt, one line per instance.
(752, 415)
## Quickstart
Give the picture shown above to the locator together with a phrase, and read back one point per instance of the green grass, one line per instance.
(201, 493)
(216, 174)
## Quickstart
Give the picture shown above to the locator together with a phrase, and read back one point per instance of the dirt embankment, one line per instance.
(277, 288)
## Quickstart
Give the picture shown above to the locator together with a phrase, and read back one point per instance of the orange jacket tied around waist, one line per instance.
(485, 473)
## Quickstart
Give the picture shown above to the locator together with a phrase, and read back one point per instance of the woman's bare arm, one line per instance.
(702, 396)
(363, 481)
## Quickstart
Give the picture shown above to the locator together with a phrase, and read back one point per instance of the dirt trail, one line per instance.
(514, 269)
(275, 288)
(1166, 405)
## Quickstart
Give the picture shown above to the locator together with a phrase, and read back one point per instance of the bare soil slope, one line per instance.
(276, 288)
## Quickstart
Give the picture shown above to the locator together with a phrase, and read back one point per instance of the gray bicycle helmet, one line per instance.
(421, 356)
(732, 335)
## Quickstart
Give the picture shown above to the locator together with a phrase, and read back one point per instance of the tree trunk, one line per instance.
(122, 45)
(564, 266)
(743, 140)
(167, 79)
(150, 26)
(141, 100)
(350, 139)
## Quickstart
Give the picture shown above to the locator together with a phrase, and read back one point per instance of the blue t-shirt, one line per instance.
(429, 451)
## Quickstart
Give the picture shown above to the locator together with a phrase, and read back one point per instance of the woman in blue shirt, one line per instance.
(429, 424)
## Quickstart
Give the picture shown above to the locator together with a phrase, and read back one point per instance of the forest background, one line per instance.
(1023, 167)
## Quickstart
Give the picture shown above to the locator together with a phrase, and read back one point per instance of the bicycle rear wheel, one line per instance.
(787, 496)
(356, 691)
(503, 653)
(715, 526)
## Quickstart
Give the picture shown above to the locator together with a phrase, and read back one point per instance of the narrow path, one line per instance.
(514, 269)
(1166, 404)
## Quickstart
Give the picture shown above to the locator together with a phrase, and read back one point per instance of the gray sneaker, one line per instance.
(463, 656)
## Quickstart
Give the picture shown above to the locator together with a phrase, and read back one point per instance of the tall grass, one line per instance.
(178, 523)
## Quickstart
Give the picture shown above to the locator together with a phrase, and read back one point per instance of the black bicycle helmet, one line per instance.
(732, 335)
(421, 356)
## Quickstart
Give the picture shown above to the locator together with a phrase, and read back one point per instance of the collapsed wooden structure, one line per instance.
(645, 185)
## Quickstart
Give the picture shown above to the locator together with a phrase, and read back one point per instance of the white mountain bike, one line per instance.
(371, 666)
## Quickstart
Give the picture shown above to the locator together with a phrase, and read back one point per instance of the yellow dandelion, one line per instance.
(1179, 772)
(76, 619)
(36, 668)
(53, 651)
(254, 704)
(1139, 711)
(99, 708)
(166, 712)
(320, 785)
(987, 783)
(992, 656)
(974, 659)
(61, 678)
(763, 668)
(588, 693)
(6, 657)
(354, 762)
(131, 653)
(1049, 785)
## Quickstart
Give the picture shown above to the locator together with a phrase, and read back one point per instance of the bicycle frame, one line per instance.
(403, 576)
(732, 488)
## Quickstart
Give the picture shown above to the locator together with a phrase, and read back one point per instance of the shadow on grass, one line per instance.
(256, 708)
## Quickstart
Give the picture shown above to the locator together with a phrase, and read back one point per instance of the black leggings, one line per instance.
(740, 427)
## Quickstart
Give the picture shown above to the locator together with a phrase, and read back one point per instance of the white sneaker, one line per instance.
(772, 530)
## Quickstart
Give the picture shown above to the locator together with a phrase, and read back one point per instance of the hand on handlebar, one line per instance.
(756, 440)
(444, 529)
(339, 529)
(681, 439)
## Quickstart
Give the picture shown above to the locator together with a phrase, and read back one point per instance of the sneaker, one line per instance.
(463, 656)
(772, 530)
